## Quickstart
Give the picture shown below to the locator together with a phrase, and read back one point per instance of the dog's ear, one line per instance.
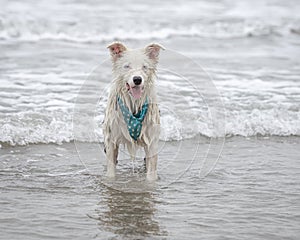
(152, 50)
(116, 50)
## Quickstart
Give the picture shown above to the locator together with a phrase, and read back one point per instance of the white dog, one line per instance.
(132, 114)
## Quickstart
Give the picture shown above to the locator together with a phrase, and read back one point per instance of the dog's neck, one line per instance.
(134, 105)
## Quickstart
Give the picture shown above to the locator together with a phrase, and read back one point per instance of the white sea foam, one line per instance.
(57, 127)
(81, 21)
(24, 29)
(253, 106)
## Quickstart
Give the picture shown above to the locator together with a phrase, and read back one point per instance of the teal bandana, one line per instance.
(134, 121)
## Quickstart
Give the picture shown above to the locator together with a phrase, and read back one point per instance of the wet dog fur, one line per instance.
(134, 73)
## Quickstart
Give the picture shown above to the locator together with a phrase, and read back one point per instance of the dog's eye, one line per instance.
(145, 68)
(126, 66)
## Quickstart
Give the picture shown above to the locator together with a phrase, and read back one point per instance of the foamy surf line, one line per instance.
(35, 128)
(12, 30)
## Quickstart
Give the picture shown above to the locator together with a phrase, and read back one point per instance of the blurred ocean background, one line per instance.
(250, 49)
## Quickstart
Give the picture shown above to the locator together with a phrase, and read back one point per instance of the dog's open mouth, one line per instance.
(136, 91)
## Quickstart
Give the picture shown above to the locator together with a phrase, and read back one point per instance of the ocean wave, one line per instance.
(277, 122)
(32, 128)
(59, 127)
(33, 30)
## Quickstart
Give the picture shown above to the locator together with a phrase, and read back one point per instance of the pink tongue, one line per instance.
(136, 92)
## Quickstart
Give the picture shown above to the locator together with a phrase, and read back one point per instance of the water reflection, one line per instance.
(128, 214)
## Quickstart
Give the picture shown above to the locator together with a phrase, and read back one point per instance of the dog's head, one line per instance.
(134, 67)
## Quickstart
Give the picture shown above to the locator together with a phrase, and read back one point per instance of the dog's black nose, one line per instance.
(137, 80)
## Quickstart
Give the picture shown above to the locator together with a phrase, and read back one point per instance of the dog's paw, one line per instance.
(110, 175)
(152, 176)
(111, 171)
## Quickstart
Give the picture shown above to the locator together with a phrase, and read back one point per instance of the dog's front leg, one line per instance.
(151, 162)
(111, 156)
(151, 166)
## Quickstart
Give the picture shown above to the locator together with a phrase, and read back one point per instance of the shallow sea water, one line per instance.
(253, 193)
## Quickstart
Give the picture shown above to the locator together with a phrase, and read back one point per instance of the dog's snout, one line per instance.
(137, 80)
